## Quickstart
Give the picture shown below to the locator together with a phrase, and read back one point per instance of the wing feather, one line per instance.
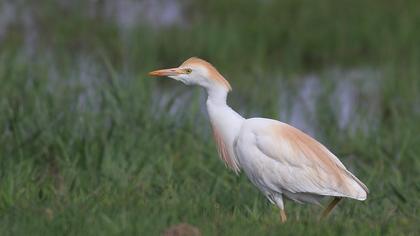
(309, 166)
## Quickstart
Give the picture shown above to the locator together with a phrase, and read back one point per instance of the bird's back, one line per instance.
(280, 158)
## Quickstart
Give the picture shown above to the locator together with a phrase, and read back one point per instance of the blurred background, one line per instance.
(89, 144)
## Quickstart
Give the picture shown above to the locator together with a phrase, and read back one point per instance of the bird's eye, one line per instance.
(188, 71)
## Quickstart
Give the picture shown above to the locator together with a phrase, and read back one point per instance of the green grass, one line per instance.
(85, 150)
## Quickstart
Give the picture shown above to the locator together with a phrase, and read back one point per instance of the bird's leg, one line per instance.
(330, 207)
(278, 200)
(283, 217)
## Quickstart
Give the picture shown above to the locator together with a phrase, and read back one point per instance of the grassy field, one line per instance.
(89, 145)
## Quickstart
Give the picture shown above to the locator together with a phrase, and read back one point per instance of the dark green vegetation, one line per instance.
(89, 145)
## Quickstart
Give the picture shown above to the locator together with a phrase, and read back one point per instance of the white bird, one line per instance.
(282, 161)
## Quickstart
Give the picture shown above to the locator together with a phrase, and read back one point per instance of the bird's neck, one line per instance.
(226, 124)
(217, 96)
(220, 112)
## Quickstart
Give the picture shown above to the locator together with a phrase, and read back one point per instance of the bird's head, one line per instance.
(195, 71)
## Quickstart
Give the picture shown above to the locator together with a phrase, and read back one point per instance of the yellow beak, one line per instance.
(167, 72)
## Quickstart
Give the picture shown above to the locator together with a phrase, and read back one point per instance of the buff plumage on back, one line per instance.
(311, 162)
(213, 73)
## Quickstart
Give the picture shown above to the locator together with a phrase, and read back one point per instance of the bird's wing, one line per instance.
(306, 165)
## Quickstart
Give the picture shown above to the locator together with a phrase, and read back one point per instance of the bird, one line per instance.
(282, 161)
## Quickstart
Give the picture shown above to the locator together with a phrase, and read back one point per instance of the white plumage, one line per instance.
(282, 161)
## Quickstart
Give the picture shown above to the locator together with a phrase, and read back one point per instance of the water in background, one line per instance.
(352, 88)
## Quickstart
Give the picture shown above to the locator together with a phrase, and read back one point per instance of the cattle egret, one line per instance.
(282, 161)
